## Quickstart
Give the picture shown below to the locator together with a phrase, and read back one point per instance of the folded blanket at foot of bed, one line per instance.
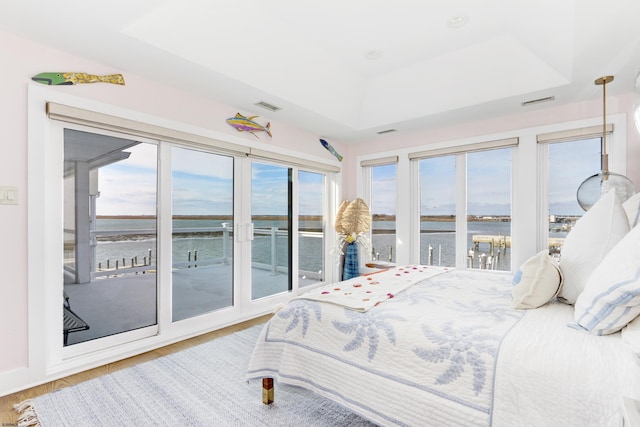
(364, 292)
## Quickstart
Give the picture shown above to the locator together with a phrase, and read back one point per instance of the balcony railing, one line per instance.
(145, 262)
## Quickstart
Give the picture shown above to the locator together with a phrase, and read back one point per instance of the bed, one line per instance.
(554, 344)
(421, 345)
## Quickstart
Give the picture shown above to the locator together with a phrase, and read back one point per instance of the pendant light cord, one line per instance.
(604, 157)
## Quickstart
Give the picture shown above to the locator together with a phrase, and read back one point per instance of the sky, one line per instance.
(570, 163)
(128, 187)
(203, 183)
(383, 189)
(488, 184)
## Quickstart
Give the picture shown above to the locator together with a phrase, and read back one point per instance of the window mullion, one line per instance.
(294, 265)
(165, 291)
(461, 210)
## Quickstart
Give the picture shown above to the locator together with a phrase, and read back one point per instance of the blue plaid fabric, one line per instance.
(351, 268)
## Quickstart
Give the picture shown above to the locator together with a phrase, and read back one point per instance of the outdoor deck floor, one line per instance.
(114, 304)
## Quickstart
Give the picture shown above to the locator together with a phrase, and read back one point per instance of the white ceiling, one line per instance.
(309, 57)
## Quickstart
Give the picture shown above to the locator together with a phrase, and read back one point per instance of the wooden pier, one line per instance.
(503, 242)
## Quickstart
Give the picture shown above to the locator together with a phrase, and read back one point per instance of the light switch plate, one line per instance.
(8, 195)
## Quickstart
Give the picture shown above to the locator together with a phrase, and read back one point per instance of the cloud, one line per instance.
(384, 189)
(195, 162)
(269, 189)
(310, 193)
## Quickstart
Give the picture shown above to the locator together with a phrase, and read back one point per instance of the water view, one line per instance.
(204, 239)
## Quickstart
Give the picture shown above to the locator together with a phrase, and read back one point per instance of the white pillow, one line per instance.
(631, 335)
(632, 208)
(588, 242)
(536, 282)
(611, 298)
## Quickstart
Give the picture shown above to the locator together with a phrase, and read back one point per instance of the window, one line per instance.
(202, 232)
(438, 211)
(311, 227)
(489, 209)
(155, 233)
(380, 193)
(110, 243)
(383, 211)
(271, 216)
(465, 205)
(569, 163)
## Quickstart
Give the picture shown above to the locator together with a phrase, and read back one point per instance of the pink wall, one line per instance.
(21, 60)
(567, 113)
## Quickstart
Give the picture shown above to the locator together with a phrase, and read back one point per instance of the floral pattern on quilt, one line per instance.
(367, 328)
(438, 338)
(458, 348)
(299, 313)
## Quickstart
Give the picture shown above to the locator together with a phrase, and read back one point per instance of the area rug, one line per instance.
(204, 385)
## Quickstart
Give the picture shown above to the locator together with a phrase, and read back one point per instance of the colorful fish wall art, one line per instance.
(57, 79)
(246, 124)
(330, 148)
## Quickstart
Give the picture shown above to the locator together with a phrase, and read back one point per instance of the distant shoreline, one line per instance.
(374, 217)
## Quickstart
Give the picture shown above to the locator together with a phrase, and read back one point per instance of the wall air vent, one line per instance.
(382, 132)
(537, 101)
(267, 106)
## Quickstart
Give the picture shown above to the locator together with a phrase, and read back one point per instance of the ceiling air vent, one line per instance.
(382, 132)
(267, 106)
(537, 101)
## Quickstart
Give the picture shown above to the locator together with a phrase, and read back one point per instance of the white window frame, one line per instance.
(529, 222)
(367, 173)
(616, 149)
(460, 155)
(48, 358)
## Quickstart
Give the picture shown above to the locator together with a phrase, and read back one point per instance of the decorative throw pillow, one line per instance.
(588, 242)
(536, 282)
(611, 298)
(632, 208)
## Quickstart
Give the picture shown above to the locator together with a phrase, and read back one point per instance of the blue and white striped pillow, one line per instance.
(611, 297)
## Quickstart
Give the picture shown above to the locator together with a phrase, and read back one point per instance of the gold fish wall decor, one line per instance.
(57, 79)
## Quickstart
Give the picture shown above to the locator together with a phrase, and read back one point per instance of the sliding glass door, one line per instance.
(311, 227)
(110, 223)
(271, 220)
(202, 232)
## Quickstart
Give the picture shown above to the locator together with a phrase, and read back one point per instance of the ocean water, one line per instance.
(203, 245)
(434, 234)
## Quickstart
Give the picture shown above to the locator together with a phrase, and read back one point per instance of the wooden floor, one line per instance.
(8, 417)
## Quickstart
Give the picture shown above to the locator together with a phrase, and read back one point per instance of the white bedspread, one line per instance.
(553, 375)
(450, 351)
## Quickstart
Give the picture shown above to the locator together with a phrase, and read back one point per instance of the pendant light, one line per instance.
(597, 185)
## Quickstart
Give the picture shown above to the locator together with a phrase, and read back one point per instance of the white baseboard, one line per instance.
(13, 381)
